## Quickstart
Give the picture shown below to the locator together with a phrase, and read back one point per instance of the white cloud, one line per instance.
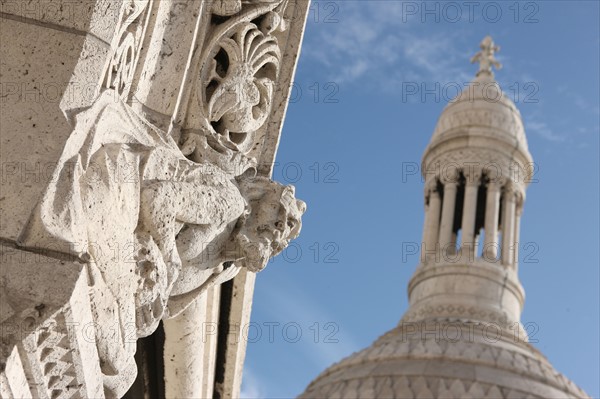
(579, 101)
(252, 388)
(543, 130)
(371, 43)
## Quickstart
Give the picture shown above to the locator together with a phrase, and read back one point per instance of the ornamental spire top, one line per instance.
(485, 57)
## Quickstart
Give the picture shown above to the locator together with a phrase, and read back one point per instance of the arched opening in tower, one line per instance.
(454, 246)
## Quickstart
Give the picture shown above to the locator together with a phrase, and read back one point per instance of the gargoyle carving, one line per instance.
(155, 228)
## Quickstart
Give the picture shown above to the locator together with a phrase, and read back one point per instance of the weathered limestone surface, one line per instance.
(53, 57)
(137, 143)
(461, 336)
(48, 332)
(36, 67)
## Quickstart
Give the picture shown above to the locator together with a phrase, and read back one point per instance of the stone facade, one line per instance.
(461, 336)
(137, 143)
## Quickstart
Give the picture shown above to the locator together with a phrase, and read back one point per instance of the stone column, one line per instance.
(476, 243)
(508, 226)
(427, 217)
(452, 249)
(184, 352)
(432, 221)
(447, 215)
(467, 243)
(517, 233)
(492, 209)
(107, 62)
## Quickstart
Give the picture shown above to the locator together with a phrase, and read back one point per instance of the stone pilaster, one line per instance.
(467, 244)
(492, 210)
(432, 223)
(447, 223)
(517, 233)
(508, 225)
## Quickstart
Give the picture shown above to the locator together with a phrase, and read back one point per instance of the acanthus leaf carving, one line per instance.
(239, 69)
(242, 99)
(155, 222)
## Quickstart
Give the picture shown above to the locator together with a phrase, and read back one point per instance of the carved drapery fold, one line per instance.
(123, 182)
(156, 222)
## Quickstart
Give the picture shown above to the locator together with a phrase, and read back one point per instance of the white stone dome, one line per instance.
(482, 112)
(482, 104)
(461, 336)
(444, 359)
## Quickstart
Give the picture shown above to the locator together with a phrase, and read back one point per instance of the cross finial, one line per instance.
(485, 57)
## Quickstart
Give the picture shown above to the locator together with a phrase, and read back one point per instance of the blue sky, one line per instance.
(352, 126)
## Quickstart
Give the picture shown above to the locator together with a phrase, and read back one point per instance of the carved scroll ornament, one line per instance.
(126, 46)
(239, 69)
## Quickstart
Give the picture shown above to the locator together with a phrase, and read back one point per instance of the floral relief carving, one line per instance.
(189, 226)
(239, 70)
(156, 222)
(126, 46)
(238, 97)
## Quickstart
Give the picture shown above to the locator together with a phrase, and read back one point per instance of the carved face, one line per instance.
(289, 221)
(274, 220)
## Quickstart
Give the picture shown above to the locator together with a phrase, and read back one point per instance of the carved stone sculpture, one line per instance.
(157, 195)
(124, 188)
(485, 57)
